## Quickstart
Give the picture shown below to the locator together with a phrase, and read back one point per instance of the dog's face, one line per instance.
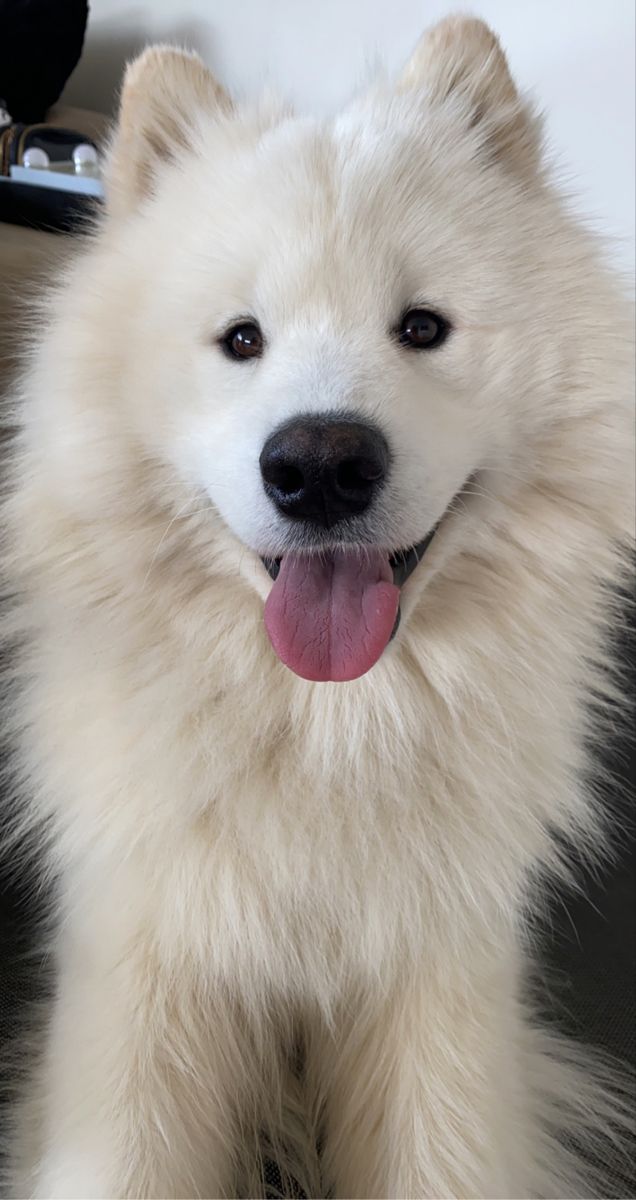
(342, 331)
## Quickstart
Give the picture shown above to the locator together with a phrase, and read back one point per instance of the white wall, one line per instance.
(577, 56)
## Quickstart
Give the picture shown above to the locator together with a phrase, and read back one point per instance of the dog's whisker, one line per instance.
(162, 539)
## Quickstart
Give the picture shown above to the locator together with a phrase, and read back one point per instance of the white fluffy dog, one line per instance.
(297, 826)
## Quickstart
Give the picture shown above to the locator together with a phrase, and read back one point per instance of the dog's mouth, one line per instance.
(332, 613)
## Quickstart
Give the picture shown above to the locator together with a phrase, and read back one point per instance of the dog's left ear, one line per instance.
(460, 59)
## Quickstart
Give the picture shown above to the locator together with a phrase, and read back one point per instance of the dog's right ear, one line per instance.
(163, 93)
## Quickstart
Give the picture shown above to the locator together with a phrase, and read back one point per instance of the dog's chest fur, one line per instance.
(280, 830)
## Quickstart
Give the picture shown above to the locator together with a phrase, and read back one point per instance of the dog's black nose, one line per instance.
(323, 469)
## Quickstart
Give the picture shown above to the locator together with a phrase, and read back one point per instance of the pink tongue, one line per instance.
(330, 617)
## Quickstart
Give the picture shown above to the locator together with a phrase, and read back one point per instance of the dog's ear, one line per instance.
(164, 92)
(460, 60)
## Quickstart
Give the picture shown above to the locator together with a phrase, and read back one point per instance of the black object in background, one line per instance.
(46, 208)
(40, 46)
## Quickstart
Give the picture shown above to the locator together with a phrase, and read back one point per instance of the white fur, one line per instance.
(250, 864)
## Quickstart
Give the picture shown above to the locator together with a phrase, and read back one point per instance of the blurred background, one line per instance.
(575, 56)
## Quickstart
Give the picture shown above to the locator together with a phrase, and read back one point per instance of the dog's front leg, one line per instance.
(418, 1091)
(137, 1088)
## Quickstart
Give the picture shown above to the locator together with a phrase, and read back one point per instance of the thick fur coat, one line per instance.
(295, 913)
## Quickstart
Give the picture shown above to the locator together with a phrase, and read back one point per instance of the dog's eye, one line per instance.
(421, 329)
(243, 341)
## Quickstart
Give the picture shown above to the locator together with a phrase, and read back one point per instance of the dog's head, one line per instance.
(343, 333)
